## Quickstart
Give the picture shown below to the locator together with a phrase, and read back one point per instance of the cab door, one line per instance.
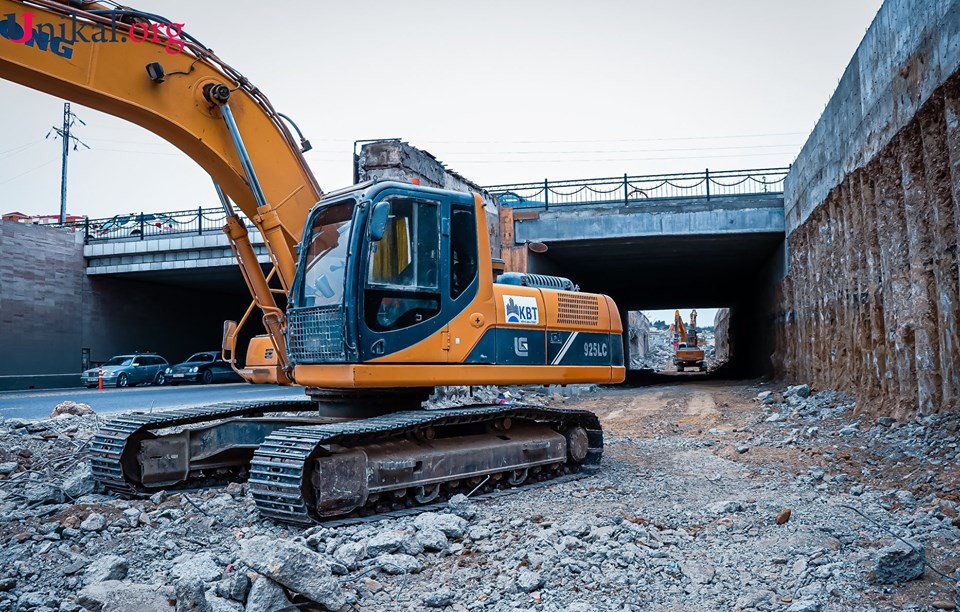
(413, 282)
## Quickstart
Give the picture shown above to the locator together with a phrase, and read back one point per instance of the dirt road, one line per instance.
(688, 511)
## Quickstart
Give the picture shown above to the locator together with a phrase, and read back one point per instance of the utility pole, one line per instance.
(64, 134)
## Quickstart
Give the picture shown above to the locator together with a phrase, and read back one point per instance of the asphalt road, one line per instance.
(38, 404)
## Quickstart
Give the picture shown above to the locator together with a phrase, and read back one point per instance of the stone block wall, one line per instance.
(41, 298)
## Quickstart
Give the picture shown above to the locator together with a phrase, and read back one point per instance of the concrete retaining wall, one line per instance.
(871, 303)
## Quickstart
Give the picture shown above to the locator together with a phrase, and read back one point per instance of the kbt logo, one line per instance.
(521, 310)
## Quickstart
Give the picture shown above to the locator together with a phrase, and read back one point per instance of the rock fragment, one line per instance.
(109, 567)
(94, 522)
(451, 525)
(191, 596)
(294, 566)
(72, 408)
(899, 562)
(268, 596)
(79, 482)
(724, 507)
(116, 596)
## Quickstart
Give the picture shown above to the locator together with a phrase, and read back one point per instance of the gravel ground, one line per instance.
(711, 496)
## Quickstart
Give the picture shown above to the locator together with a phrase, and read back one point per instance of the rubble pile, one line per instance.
(817, 509)
(659, 356)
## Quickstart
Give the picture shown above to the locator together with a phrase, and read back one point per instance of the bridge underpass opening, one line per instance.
(179, 312)
(739, 272)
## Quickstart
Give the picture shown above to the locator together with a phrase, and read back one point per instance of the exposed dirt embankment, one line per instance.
(871, 305)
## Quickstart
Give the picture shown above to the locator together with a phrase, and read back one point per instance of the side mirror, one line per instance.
(378, 220)
(229, 336)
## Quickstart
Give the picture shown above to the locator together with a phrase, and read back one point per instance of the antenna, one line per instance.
(64, 134)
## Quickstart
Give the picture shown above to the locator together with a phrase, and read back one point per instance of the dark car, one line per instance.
(204, 368)
(127, 370)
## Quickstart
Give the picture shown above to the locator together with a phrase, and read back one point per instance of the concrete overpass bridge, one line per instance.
(663, 241)
(673, 231)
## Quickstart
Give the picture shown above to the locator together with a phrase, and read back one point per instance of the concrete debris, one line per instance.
(191, 596)
(268, 596)
(116, 596)
(724, 507)
(79, 482)
(296, 567)
(200, 566)
(109, 567)
(899, 562)
(800, 391)
(680, 516)
(235, 586)
(71, 408)
(439, 599)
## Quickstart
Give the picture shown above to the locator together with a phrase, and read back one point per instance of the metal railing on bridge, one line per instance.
(140, 226)
(627, 190)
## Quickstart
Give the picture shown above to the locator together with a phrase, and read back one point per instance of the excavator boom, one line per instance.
(147, 70)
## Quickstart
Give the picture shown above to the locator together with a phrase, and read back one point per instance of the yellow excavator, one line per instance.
(687, 350)
(388, 291)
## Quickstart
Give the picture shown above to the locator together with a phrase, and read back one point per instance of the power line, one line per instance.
(775, 146)
(732, 136)
(615, 159)
(43, 165)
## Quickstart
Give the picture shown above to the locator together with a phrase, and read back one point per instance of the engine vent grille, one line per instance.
(578, 309)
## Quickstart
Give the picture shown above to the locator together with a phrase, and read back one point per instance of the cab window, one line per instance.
(403, 271)
(463, 250)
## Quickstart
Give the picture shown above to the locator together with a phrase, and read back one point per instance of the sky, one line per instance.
(501, 91)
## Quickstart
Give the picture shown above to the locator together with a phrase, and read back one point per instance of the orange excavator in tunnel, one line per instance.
(687, 350)
(387, 291)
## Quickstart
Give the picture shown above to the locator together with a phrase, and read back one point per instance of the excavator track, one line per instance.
(113, 448)
(286, 483)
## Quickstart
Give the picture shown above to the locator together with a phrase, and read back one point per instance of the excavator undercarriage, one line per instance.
(307, 468)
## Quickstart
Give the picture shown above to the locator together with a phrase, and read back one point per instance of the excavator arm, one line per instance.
(680, 327)
(145, 69)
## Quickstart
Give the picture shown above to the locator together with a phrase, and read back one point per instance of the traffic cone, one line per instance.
(100, 378)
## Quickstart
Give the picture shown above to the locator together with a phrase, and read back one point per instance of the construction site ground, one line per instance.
(712, 495)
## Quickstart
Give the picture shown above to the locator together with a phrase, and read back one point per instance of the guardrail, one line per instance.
(627, 190)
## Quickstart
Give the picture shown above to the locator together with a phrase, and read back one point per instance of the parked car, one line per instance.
(128, 370)
(204, 368)
(131, 225)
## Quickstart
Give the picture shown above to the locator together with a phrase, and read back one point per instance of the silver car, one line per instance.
(127, 370)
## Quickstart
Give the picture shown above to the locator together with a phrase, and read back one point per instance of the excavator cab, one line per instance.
(382, 267)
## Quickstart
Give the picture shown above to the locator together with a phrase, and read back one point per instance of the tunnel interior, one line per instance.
(739, 271)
